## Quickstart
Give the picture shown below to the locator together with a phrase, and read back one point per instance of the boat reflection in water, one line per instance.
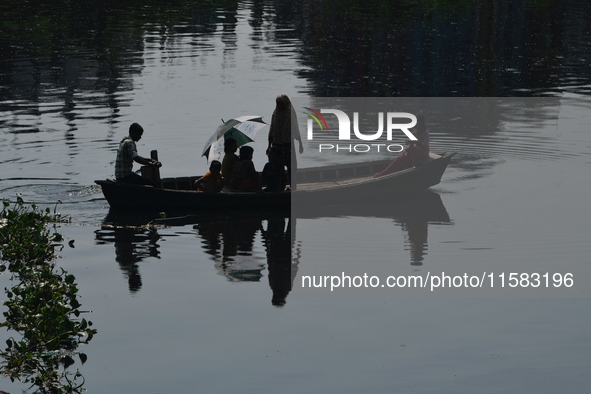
(413, 212)
(134, 241)
(235, 242)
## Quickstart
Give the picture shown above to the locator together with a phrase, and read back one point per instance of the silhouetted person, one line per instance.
(283, 131)
(212, 181)
(273, 175)
(245, 178)
(230, 158)
(127, 154)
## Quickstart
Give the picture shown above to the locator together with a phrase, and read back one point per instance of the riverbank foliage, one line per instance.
(42, 309)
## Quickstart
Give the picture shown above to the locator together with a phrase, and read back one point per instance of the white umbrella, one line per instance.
(242, 129)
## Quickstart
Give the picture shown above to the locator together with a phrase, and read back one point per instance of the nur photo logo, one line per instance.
(394, 123)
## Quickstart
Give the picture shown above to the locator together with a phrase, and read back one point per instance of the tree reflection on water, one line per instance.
(56, 50)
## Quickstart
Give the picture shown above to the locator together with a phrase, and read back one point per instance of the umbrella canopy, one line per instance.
(242, 129)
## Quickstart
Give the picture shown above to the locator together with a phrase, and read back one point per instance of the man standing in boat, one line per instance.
(127, 154)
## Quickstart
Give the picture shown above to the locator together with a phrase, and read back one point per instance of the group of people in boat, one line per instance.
(238, 173)
(235, 172)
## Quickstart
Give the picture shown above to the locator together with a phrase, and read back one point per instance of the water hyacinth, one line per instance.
(43, 311)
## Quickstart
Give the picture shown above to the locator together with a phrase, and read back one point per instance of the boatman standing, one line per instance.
(127, 154)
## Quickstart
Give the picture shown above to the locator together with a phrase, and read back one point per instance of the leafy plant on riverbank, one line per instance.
(42, 307)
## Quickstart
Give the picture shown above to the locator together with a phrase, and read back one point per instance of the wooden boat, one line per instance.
(328, 185)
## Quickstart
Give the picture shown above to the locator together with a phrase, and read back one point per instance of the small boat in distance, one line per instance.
(330, 185)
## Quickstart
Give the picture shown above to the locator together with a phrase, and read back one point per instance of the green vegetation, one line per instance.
(43, 312)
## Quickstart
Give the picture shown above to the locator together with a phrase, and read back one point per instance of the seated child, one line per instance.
(274, 175)
(212, 182)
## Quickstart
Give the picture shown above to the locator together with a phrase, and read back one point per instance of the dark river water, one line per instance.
(218, 304)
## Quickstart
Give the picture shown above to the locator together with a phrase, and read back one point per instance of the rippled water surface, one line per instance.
(216, 304)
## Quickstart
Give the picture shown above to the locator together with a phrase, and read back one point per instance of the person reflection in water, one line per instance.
(127, 154)
(414, 214)
(132, 245)
(416, 239)
(279, 240)
(126, 257)
(230, 243)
